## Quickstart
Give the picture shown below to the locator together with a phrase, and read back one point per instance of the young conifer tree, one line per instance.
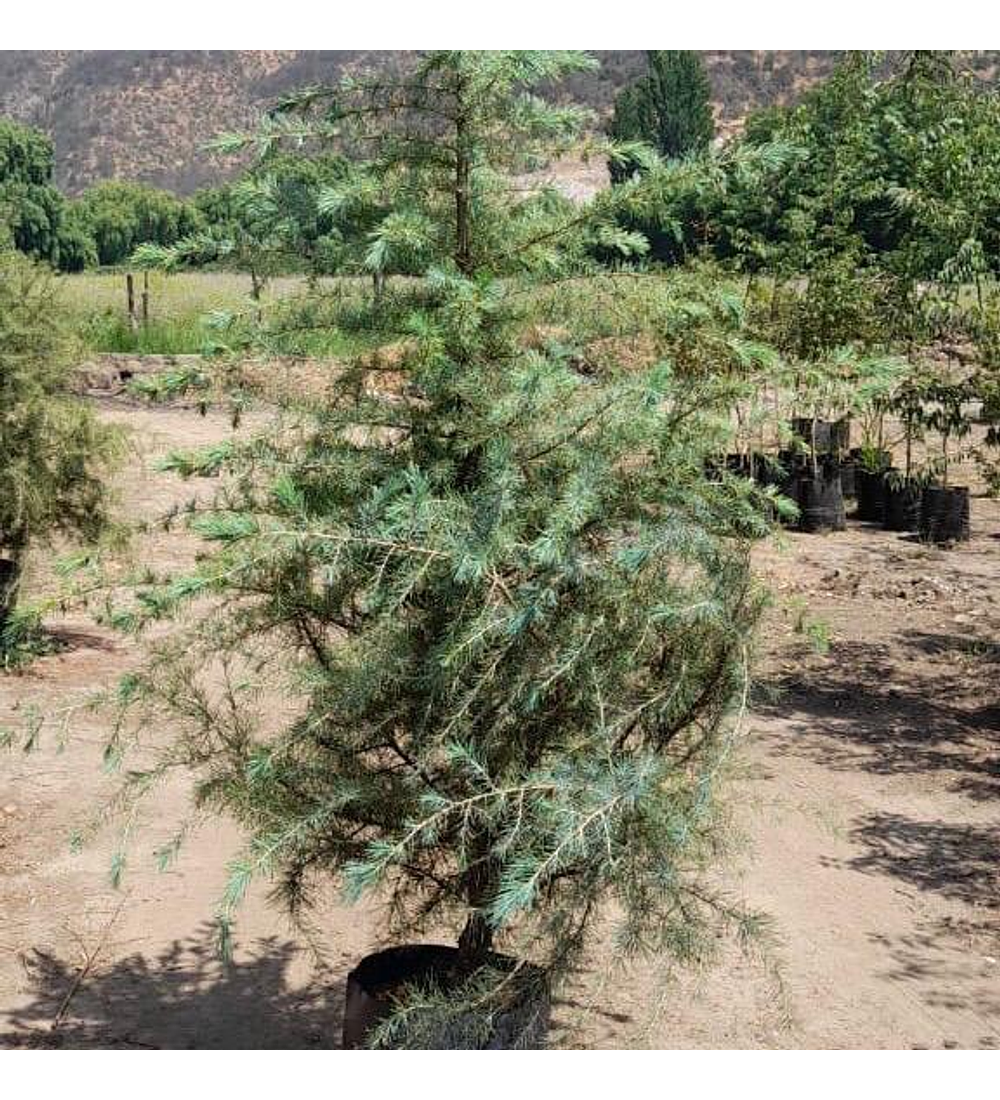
(511, 611)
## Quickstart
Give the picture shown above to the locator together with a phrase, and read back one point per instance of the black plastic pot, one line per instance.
(820, 498)
(944, 514)
(901, 504)
(828, 436)
(793, 460)
(869, 489)
(8, 574)
(376, 983)
(848, 470)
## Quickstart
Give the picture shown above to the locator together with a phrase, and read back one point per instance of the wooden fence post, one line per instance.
(130, 296)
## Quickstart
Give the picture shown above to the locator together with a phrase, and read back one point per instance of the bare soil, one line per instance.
(869, 797)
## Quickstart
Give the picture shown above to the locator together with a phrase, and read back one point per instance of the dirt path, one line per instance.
(870, 802)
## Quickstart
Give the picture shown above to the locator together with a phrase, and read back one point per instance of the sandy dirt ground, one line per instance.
(869, 796)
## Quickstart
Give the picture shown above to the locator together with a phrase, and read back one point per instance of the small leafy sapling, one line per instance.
(945, 412)
(846, 384)
(910, 404)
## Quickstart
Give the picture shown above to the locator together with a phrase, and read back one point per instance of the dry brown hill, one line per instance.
(146, 114)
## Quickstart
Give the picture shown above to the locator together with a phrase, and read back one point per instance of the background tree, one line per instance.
(303, 234)
(122, 215)
(32, 211)
(898, 166)
(269, 222)
(52, 449)
(670, 108)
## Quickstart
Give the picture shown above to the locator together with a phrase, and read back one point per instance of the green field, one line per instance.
(196, 312)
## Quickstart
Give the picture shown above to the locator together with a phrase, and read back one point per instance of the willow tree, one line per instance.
(511, 610)
(34, 217)
(53, 450)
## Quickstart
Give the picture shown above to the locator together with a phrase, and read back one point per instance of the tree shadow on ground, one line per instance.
(952, 644)
(902, 709)
(184, 998)
(961, 862)
(579, 1021)
(951, 964)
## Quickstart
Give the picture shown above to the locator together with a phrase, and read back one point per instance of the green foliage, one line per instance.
(22, 638)
(120, 216)
(52, 449)
(668, 111)
(903, 168)
(103, 226)
(111, 332)
(32, 212)
(272, 220)
(838, 304)
(77, 248)
(815, 630)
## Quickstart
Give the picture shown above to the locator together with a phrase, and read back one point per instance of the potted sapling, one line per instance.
(903, 488)
(874, 384)
(944, 508)
(816, 479)
(507, 612)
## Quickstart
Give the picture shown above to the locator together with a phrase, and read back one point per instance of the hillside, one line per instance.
(146, 114)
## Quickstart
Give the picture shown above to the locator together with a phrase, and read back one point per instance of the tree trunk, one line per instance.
(476, 941)
(463, 199)
(378, 286)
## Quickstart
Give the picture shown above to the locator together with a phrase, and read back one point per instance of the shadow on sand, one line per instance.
(185, 998)
(864, 709)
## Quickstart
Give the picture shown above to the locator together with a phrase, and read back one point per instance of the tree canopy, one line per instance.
(31, 208)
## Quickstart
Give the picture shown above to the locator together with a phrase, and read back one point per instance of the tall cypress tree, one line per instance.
(669, 108)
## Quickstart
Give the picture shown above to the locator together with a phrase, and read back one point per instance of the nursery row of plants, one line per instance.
(821, 484)
(820, 471)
